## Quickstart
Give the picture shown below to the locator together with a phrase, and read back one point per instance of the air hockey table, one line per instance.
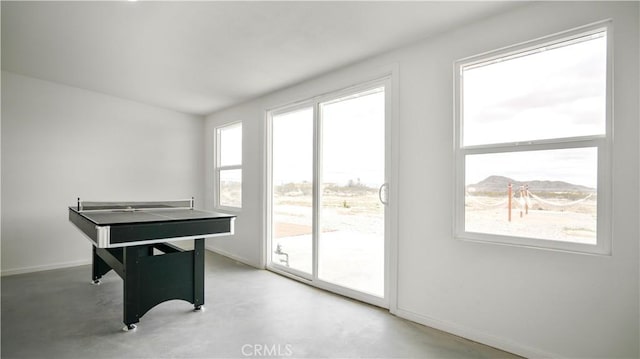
(133, 239)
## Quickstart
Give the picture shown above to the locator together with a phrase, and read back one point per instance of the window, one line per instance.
(532, 130)
(229, 166)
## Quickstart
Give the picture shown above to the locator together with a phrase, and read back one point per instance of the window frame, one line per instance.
(602, 142)
(218, 168)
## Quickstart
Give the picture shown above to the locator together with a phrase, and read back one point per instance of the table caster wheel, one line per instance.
(95, 282)
(129, 327)
(198, 308)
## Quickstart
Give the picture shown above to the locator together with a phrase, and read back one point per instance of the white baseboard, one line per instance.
(31, 269)
(233, 256)
(474, 335)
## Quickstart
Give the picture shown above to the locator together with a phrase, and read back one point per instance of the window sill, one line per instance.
(535, 243)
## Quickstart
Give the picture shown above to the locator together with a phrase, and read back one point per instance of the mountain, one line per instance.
(500, 183)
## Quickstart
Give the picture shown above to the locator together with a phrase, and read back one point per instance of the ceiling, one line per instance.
(200, 57)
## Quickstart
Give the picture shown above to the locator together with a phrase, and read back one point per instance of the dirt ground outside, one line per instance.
(554, 219)
(351, 243)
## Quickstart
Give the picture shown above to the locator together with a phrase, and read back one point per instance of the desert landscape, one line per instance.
(552, 210)
(351, 244)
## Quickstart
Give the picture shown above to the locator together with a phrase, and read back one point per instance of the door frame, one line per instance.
(389, 80)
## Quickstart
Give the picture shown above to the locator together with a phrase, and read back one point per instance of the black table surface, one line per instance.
(115, 217)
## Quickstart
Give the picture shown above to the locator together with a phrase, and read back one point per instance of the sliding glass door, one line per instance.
(328, 192)
(292, 190)
(351, 218)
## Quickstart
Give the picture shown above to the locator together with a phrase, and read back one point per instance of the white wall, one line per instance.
(60, 143)
(245, 245)
(529, 301)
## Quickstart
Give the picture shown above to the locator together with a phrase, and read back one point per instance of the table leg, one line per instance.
(100, 267)
(198, 274)
(132, 293)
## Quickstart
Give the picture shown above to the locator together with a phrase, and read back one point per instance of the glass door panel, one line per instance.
(292, 191)
(352, 175)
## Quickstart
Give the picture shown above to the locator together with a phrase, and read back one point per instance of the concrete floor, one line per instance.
(249, 313)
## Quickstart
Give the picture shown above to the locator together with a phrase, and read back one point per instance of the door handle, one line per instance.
(384, 186)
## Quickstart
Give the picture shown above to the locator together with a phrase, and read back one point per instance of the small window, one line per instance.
(532, 144)
(229, 166)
